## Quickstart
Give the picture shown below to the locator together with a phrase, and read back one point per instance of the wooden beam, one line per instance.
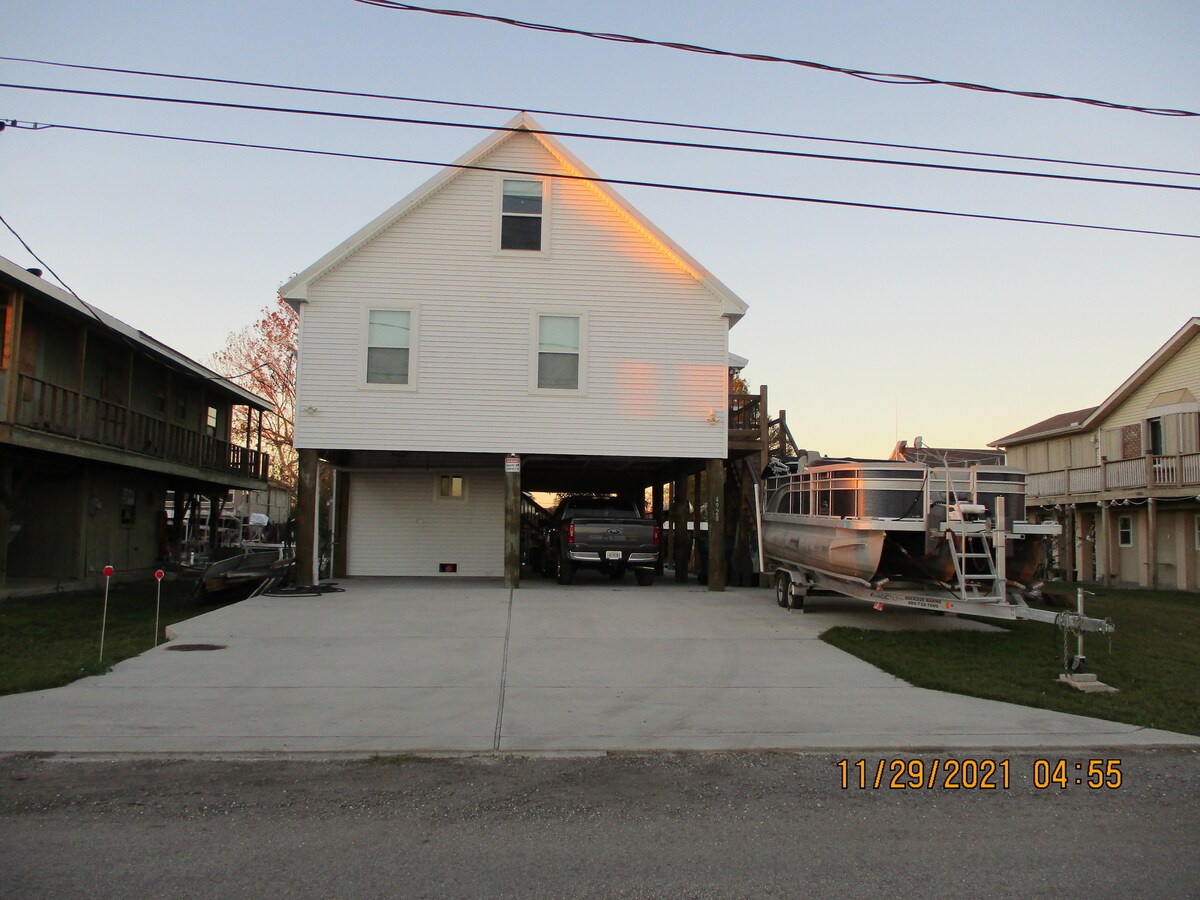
(716, 524)
(656, 493)
(681, 544)
(306, 516)
(1152, 544)
(341, 517)
(512, 527)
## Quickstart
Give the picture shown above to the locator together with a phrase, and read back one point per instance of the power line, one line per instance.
(625, 139)
(864, 74)
(697, 189)
(31, 252)
(664, 123)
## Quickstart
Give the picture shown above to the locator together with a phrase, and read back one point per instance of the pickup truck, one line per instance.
(601, 533)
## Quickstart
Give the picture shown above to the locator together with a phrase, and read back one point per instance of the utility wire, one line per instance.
(729, 192)
(625, 139)
(664, 123)
(864, 74)
(57, 277)
(96, 315)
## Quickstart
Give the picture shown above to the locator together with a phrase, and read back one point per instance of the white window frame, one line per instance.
(535, 316)
(498, 215)
(414, 318)
(437, 487)
(1122, 532)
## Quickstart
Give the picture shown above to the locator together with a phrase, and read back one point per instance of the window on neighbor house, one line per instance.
(210, 422)
(389, 342)
(1196, 530)
(128, 505)
(1125, 531)
(521, 215)
(452, 487)
(558, 352)
(1154, 432)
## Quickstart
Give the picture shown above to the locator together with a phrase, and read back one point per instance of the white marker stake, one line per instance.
(108, 571)
(158, 577)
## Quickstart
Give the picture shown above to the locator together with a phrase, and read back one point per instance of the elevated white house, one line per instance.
(512, 306)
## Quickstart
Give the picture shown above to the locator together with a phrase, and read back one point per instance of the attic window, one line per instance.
(521, 215)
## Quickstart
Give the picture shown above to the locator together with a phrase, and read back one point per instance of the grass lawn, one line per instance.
(53, 639)
(1152, 658)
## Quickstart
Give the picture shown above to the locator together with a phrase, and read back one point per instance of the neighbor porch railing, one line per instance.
(58, 410)
(1143, 472)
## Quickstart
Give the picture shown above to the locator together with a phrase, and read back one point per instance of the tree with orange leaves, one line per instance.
(262, 358)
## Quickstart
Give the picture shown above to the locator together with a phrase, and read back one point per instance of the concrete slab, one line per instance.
(394, 665)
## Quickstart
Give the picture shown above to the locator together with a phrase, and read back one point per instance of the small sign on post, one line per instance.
(108, 573)
(158, 577)
(512, 463)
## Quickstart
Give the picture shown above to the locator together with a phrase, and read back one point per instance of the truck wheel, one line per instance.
(565, 571)
(644, 577)
(783, 588)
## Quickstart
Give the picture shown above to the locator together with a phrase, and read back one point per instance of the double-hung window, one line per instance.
(558, 352)
(521, 215)
(1125, 531)
(389, 344)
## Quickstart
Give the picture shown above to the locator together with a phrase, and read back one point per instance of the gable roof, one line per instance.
(1088, 419)
(115, 326)
(296, 289)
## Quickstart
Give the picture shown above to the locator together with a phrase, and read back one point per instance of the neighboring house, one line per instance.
(1123, 477)
(516, 310)
(98, 421)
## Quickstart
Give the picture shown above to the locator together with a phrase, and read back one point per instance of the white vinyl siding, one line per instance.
(399, 526)
(656, 340)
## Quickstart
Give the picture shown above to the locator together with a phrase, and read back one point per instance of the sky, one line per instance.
(867, 326)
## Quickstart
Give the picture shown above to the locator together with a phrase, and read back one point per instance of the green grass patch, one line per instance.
(1152, 659)
(53, 639)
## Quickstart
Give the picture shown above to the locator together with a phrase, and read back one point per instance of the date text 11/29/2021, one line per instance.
(984, 774)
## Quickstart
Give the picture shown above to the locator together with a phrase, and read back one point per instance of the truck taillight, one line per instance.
(657, 535)
(570, 532)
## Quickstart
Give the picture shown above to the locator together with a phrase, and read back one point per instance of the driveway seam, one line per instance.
(503, 675)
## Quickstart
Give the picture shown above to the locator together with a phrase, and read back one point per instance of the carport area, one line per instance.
(422, 665)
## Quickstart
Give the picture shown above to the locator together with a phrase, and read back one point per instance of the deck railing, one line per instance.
(745, 416)
(1178, 471)
(61, 411)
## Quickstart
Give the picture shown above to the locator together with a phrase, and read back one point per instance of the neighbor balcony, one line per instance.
(1143, 476)
(55, 410)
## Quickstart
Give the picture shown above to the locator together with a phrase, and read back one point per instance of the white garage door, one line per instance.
(417, 523)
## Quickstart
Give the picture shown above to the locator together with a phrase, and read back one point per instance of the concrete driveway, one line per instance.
(403, 665)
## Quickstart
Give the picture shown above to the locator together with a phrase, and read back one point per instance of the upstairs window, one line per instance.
(558, 352)
(389, 342)
(210, 422)
(521, 215)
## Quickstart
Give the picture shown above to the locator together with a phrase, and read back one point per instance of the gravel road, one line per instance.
(658, 825)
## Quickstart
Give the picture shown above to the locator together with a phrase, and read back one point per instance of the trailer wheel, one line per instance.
(796, 600)
(783, 588)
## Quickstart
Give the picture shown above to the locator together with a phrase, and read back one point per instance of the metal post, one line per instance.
(1079, 636)
(158, 577)
(1001, 549)
(108, 571)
